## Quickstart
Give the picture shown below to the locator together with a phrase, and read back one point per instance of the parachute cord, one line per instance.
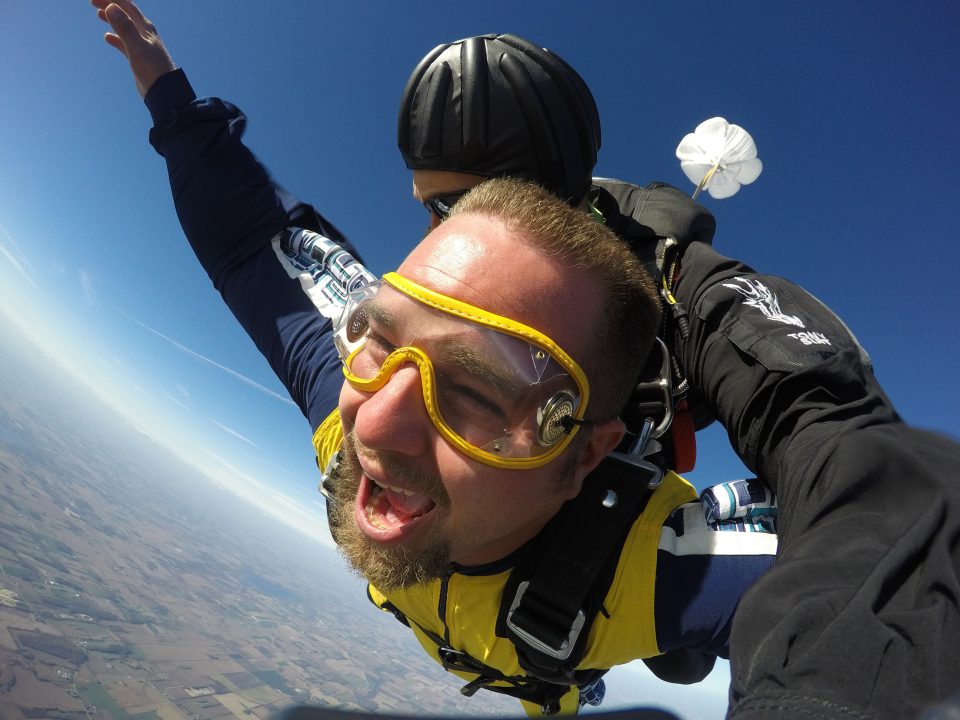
(706, 180)
(679, 315)
(677, 309)
(667, 295)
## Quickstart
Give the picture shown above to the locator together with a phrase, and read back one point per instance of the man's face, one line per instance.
(409, 503)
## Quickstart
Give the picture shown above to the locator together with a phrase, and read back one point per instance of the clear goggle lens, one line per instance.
(499, 391)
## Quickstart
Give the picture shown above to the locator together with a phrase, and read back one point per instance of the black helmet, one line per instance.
(498, 105)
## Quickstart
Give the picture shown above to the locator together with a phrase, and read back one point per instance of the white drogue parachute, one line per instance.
(719, 157)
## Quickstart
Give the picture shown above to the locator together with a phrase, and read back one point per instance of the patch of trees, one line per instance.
(24, 573)
(79, 606)
(55, 645)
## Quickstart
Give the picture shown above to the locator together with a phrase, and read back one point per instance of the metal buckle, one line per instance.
(637, 453)
(566, 647)
(663, 386)
(326, 481)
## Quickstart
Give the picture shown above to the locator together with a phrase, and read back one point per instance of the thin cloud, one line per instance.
(184, 400)
(203, 358)
(234, 433)
(184, 393)
(311, 523)
(177, 402)
(21, 263)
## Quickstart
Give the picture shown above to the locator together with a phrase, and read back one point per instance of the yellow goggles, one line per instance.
(499, 391)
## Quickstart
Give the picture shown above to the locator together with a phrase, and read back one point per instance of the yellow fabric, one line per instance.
(470, 312)
(472, 606)
(472, 602)
(630, 628)
(328, 438)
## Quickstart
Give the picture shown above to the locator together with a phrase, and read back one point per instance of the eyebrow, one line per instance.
(378, 313)
(481, 365)
(484, 366)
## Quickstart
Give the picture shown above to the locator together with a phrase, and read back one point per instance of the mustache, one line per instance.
(397, 468)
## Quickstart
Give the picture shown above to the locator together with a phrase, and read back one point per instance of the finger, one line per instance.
(121, 23)
(116, 42)
(101, 5)
(133, 12)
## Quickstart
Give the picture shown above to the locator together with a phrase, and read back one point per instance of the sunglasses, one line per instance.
(441, 205)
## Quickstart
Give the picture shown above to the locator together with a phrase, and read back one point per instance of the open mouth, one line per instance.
(385, 512)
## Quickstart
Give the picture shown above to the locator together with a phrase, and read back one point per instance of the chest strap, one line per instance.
(523, 687)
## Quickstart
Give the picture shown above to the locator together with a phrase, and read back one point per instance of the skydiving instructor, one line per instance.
(868, 561)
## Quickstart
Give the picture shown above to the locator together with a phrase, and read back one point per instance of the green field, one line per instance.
(98, 696)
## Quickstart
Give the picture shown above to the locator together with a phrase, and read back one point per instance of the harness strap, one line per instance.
(555, 592)
(558, 586)
(523, 687)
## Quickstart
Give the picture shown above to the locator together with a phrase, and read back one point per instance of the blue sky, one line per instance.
(853, 112)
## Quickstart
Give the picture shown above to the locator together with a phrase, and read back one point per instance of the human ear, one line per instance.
(604, 437)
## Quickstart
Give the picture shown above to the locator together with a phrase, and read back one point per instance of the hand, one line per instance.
(137, 39)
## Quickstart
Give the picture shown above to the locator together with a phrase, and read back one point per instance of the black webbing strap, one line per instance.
(545, 694)
(553, 594)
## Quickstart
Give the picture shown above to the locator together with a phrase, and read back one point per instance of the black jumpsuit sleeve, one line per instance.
(779, 370)
(858, 617)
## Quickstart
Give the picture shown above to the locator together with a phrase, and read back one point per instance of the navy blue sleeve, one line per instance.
(230, 211)
(703, 569)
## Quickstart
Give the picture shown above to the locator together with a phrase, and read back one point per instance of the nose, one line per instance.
(394, 418)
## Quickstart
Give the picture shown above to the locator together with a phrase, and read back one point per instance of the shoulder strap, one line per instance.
(557, 588)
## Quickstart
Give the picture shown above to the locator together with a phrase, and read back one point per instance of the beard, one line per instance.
(385, 567)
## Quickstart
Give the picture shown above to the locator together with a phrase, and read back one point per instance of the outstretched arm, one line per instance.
(231, 211)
